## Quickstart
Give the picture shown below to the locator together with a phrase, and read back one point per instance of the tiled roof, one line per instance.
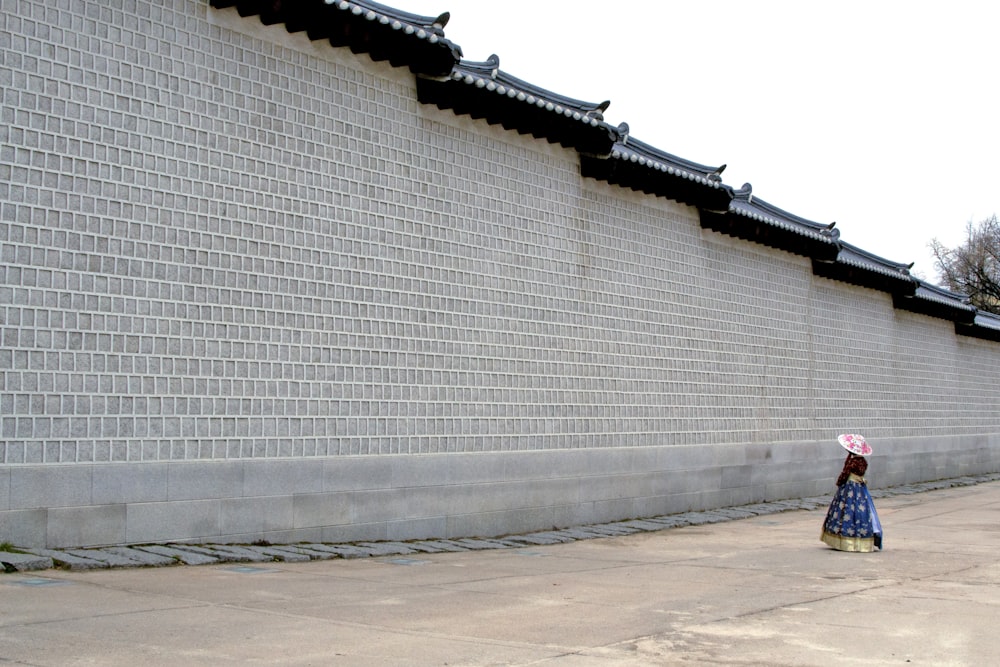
(984, 325)
(938, 302)
(988, 320)
(483, 90)
(384, 33)
(859, 267)
(753, 219)
(639, 166)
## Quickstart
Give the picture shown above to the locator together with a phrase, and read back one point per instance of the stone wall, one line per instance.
(252, 289)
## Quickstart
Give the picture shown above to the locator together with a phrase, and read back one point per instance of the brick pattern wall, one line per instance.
(220, 241)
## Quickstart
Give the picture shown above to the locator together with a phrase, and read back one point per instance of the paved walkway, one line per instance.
(716, 588)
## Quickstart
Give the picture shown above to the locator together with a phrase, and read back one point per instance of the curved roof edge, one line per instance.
(984, 325)
(860, 267)
(938, 302)
(384, 33)
(483, 90)
(639, 166)
(753, 219)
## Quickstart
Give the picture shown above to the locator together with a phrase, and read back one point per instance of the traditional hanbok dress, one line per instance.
(851, 523)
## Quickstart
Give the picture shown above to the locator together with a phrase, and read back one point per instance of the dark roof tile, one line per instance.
(753, 219)
(483, 90)
(984, 325)
(641, 167)
(860, 267)
(937, 302)
(384, 33)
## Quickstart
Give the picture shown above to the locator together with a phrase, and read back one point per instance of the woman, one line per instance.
(851, 522)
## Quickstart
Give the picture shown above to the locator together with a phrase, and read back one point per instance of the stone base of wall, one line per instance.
(342, 499)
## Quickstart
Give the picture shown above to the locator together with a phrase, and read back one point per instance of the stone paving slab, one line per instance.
(339, 550)
(611, 529)
(584, 533)
(532, 540)
(204, 554)
(24, 562)
(643, 525)
(219, 556)
(554, 536)
(386, 548)
(735, 513)
(667, 522)
(313, 554)
(694, 519)
(433, 546)
(111, 558)
(282, 554)
(182, 555)
(237, 554)
(474, 544)
(69, 560)
(146, 558)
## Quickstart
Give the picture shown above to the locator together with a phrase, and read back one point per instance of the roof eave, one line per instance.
(958, 313)
(658, 179)
(383, 33)
(896, 284)
(760, 231)
(974, 330)
(544, 116)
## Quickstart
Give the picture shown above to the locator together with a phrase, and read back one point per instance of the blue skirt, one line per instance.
(851, 523)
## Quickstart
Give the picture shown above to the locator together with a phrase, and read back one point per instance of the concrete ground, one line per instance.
(756, 591)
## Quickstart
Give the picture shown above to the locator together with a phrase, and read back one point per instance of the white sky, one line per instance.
(879, 115)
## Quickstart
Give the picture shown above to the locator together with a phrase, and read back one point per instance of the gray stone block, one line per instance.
(610, 529)
(39, 486)
(735, 512)
(287, 554)
(232, 552)
(179, 553)
(71, 561)
(479, 544)
(338, 550)
(313, 554)
(550, 537)
(24, 562)
(432, 546)
(171, 521)
(358, 474)
(24, 528)
(283, 478)
(386, 548)
(144, 558)
(420, 472)
(255, 516)
(200, 480)
(414, 529)
(529, 540)
(110, 558)
(130, 483)
(736, 476)
(322, 509)
(86, 526)
(642, 525)
(4, 483)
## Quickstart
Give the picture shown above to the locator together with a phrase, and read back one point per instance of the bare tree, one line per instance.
(973, 268)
